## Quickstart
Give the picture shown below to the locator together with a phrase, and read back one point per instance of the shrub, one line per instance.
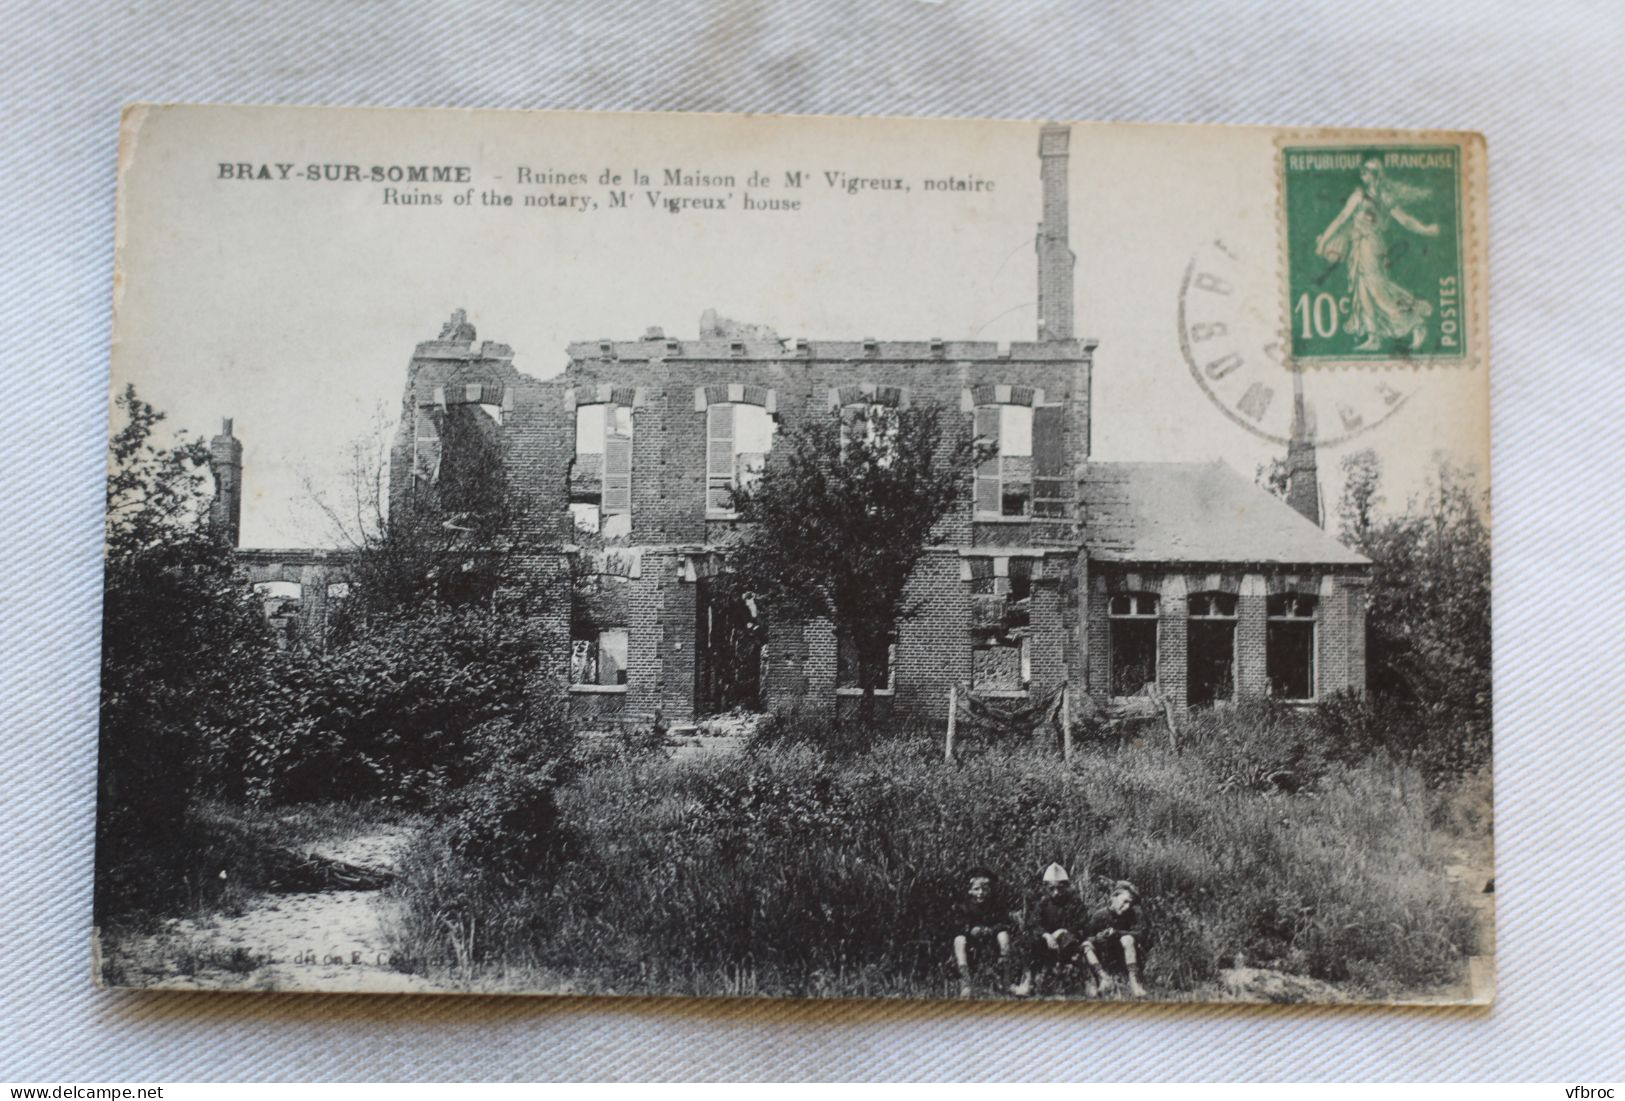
(507, 825)
(841, 741)
(181, 639)
(1442, 745)
(418, 704)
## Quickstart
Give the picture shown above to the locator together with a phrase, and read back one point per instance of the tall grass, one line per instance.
(793, 872)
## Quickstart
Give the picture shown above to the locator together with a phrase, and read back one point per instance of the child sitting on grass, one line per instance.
(1116, 940)
(980, 927)
(1053, 947)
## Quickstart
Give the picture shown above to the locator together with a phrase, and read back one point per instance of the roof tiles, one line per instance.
(1197, 513)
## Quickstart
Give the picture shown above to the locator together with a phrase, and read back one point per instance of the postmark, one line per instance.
(1240, 359)
(1374, 253)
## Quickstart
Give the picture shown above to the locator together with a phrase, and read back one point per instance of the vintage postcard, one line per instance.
(796, 557)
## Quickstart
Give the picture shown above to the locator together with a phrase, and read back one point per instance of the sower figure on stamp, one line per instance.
(1054, 943)
(1116, 940)
(982, 930)
(1379, 308)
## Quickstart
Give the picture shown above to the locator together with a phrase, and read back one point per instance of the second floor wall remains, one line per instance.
(639, 442)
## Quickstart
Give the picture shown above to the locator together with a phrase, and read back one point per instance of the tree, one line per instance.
(1357, 510)
(452, 537)
(181, 636)
(838, 523)
(433, 656)
(1428, 617)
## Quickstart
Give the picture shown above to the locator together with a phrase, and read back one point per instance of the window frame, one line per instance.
(1022, 643)
(1215, 600)
(597, 642)
(1000, 473)
(608, 482)
(714, 480)
(1137, 614)
(1293, 614)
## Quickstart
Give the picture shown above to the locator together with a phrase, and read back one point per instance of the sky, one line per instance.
(293, 305)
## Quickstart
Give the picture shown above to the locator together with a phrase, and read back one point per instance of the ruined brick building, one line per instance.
(1060, 568)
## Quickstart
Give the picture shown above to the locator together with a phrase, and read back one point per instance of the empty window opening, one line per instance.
(1289, 646)
(460, 453)
(1133, 635)
(1002, 602)
(1004, 483)
(876, 424)
(598, 655)
(738, 438)
(601, 478)
(848, 664)
(1211, 648)
(280, 601)
(280, 598)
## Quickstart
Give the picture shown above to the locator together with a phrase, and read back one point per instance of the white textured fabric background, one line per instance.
(1545, 82)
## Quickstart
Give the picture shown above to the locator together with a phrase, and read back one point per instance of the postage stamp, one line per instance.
(1374, 252)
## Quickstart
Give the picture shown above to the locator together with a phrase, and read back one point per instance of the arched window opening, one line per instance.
(1004, 483)
(738, 438)
(1132, 625)
(1289, 645)
(601, 478)
(1211, 648)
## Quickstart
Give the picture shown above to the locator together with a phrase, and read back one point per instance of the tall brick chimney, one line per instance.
(226, 461)
(1302, 478)
(1055, 257)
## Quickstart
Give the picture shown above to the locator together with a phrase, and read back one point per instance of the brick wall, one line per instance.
(1172, 634)
(668, 478)
(1252, 677)
(677, 680)
(820, 668)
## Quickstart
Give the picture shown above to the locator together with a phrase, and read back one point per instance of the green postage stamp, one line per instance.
(1374, 253)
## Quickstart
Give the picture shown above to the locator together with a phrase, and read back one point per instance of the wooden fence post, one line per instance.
(953, 709)
(1066, 722)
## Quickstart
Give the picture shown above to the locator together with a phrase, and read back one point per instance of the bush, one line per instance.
(1443, 746)
(507, 825)
(181, 638)
(1428, 625)
(417, 705)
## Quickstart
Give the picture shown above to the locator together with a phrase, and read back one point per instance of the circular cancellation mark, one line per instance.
(1230, 337)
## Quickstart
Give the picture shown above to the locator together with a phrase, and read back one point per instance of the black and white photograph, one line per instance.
(796, 557)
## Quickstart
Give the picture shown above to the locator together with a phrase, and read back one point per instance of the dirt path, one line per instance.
(327, 940)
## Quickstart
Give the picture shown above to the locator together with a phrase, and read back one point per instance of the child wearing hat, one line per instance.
(1116, 940)
(980, 926)
(1058, 922)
